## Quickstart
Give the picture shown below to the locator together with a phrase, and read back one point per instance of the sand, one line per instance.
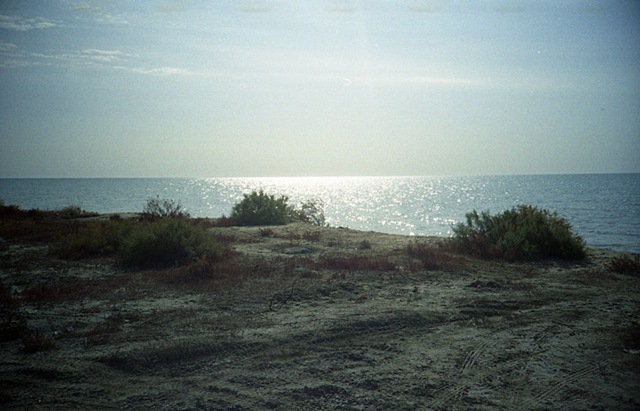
(306, 318)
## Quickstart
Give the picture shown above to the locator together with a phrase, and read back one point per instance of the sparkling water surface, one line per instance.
(603, 208)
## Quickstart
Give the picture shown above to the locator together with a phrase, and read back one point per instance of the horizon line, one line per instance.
(316, 176)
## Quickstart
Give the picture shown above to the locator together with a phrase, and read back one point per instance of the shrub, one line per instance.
(259, 208)
(169, 242)
(157, 208)
(522, 233)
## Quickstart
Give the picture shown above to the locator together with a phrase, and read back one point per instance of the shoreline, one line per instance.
(427, 212)
(129, 215)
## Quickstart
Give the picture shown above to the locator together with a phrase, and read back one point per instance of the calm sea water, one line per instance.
(603, 208)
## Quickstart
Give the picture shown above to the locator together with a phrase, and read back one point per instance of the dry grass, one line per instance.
(312, 236)
(434, 257)
(72, 289)
(625, 264)
(357, 263)
(104, 331)
(36, 341)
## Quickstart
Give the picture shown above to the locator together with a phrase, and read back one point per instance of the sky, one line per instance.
(186, 88)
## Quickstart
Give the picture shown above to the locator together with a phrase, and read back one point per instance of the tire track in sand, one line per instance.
(563, 383)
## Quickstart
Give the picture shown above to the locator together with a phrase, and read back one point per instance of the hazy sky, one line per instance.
(285, 88)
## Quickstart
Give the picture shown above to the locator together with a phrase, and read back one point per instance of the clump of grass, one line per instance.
(625, 264)
(522, 233)
(365, 245)
(266, 232)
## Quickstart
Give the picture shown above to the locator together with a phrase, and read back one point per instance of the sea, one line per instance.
(603, 208)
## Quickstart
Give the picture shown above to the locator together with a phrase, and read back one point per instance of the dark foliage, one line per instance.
(169, 242)
(157, 208)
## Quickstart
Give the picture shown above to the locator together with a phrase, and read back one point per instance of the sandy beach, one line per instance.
(307, 318)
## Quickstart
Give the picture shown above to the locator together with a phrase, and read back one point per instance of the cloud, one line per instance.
(24, 24)
(101, 56)
(170, 71)
(97, 12)
(10, 56)
(159, 71)
(436, 81)
(7, 47)
(83, 56)
(114, 59)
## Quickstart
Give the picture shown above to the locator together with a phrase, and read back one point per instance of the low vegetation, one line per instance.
(164, 235)
(69, 212)
(91, 239)
(522, 233)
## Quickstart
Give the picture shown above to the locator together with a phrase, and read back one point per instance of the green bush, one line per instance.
(169, 242)
(522, 233)
(259, 208)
